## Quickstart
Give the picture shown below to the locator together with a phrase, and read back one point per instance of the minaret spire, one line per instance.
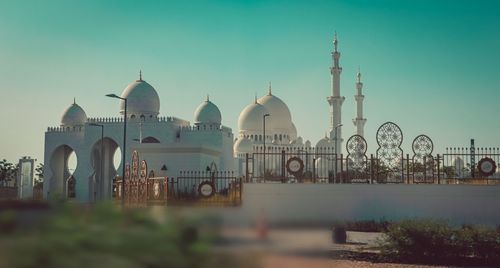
(335, 42)
(335, 100)
(359, 121)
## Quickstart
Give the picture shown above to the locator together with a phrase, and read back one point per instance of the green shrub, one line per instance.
(106, 236)
(431, 241)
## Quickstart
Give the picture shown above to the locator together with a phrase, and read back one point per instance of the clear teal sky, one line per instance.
(430, 66)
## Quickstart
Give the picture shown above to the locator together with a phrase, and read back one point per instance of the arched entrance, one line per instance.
(104, 154)
(63, 163)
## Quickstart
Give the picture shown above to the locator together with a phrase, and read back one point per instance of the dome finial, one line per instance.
(140, 75)
(74, 100)
(208, 97)
(255, 97)
(270, 89)
(335, 41)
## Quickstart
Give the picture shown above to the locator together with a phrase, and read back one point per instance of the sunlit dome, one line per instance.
(74, 115)
(142, 99)
(243, 145)
(207, 113)
(251, 118)
(281, 118)
(324, 143)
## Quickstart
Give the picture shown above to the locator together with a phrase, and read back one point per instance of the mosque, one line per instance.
(171, 145)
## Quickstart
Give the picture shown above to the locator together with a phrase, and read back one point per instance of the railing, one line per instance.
(324, 166)
(205, 189)
(190, 188)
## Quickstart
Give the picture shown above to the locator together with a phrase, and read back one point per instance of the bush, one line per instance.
(430, 241)
(106, 236)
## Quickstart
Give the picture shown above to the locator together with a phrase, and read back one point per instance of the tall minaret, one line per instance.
(359, 121)
(335, 100)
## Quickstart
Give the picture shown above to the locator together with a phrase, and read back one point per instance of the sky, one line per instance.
(430, 66)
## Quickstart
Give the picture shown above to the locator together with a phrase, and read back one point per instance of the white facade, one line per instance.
(168, 144)
(281, 133)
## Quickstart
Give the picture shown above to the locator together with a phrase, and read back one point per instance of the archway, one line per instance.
(63, 163)
(105, 168)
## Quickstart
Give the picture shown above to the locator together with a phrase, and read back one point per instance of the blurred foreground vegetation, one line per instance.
(104, 235)
(437, 242)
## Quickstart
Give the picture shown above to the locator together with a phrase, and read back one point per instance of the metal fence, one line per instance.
(190, 188)
(389, 164)
(205, 189)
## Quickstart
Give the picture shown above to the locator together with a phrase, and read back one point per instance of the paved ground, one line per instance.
(310, 248)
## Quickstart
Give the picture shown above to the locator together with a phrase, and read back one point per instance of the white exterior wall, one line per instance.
(179, 149)
(326, 203)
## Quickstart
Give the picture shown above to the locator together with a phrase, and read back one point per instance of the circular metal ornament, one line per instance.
(295, 166)
(422, 146)
(389, 136)
(206, 189)
(356, 145)
(487, 167)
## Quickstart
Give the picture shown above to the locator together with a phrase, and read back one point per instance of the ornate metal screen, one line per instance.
(389, 153)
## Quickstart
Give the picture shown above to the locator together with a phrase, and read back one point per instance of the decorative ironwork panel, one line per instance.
(422, 161)
(389, 152)
(357, 161)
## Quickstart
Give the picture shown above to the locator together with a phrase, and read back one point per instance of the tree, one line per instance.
(7, 172)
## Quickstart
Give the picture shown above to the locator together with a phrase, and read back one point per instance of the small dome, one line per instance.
(324, 143)
(251, 118)
(142, 99)
(207, 113)
(243, 145)
(74, 115)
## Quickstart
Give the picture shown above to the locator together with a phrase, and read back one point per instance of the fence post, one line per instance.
(438, 170)
(283, 163)
(314, 169)
(341, 167)
(408, 168)
(371, 168)
(246, 167)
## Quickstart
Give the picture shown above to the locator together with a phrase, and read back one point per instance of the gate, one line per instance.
(205, 189)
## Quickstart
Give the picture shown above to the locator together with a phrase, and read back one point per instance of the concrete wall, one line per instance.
(325, 203)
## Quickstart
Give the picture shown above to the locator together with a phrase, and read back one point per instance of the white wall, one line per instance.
(325, 203)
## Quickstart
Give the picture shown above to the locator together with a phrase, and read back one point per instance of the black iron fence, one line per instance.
(389, 164)
(205, 189)
(189, 188)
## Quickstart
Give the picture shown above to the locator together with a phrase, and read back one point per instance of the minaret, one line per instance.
(335, 100)
(359, 121)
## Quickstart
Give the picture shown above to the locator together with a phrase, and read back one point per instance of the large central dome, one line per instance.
(280, 119)
(142, 99)
(279, 125)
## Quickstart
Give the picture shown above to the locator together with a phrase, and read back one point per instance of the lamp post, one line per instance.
(124, 141)
(335, 149)
(264, 139)
(101, 182)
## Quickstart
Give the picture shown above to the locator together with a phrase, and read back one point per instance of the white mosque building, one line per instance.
(281, 133)
(168, 144)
